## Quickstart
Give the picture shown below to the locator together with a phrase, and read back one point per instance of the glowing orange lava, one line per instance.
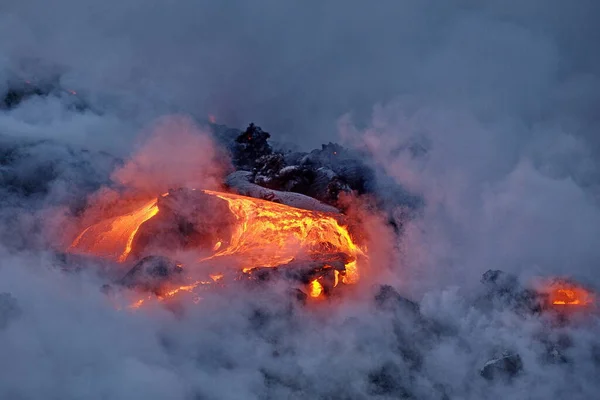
(265, 234)
(173, 292)
(316, 289)
(112, 238)
(268, 234)
(567, 294)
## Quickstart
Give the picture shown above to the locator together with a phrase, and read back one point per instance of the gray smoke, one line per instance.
(485, 109)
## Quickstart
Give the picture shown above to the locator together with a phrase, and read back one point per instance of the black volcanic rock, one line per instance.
(249, 146)
(327, 186)
(345, 164)
(151, 273)
(505, 367)
(241, 182)
(323, 174)
(272, 173)
(187, 219)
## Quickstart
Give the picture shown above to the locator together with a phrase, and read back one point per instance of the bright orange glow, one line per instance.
(137, 304)
(570, 295)
(316, 289)
(336, 275)
(172, 293)
(185, 288)
(265, 234)
(270, 234)
(351, 276)
(562, 292)
(113, 238)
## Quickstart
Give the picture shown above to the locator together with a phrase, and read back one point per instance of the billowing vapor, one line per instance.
(175, 154)
(485, 111)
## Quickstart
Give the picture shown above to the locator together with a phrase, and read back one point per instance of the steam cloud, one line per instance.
(176, 154)
(488, 110)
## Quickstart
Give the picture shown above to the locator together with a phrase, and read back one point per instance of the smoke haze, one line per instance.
(488, 110)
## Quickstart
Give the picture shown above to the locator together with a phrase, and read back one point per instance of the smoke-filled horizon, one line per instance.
(295, 69)
(486, 110)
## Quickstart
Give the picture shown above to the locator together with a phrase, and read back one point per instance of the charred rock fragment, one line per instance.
(267, 168)
(186, 219)
(241, 182)
(9, 309)
(507, 366)
(293, 178)
(249, 146)
(327, 186)
(152, 273)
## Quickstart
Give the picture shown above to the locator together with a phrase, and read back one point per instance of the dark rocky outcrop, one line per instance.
(250, 146)
(323, 174)
(152, 273)
(186, 219)
(507, 366)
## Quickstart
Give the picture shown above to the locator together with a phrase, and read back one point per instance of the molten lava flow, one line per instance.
(316, 289)
(112, 238)
(270, 234)
(568, 294)
(173, 292)
(264, 234)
